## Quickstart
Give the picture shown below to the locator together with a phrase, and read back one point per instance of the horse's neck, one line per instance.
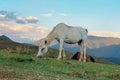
(50, 38)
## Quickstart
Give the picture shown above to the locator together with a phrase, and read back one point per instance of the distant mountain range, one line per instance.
(111, 53)
(92, 43)
(108, 51)
(97, 42)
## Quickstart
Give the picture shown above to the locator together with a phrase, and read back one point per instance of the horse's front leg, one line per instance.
(60, 49)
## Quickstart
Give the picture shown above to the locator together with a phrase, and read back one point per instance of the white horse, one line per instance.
(68, 34)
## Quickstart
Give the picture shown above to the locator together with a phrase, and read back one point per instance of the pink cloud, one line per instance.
(28, 31)
(105, 34)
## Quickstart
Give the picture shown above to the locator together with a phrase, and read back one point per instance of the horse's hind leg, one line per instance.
(81, 51)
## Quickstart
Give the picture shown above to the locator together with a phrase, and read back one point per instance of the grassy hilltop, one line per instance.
(19, 62)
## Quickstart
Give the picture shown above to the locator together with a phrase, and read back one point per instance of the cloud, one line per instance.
(54, 13)
(105, 34)
(6, 15)
(22, 32)
(32, 19)
(63, 14)
(21, 28)
(21, 20)
(2, 16)
(47, 15)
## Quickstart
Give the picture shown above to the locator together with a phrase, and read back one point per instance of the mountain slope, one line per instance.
(110, 53)
(3, 37)
(97, 42)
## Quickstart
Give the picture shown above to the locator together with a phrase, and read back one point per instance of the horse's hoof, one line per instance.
(80, 60)
(84, 60)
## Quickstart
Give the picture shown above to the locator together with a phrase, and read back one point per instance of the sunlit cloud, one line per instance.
(105, 34)
(20, 32)
(21, 29)
(32, 19)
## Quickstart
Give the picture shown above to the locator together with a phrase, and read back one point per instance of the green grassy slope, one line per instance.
(19, 62)
(27, 67)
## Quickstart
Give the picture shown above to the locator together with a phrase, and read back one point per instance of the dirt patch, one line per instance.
(6, 74)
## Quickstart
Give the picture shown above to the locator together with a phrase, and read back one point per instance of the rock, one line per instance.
(77, 55)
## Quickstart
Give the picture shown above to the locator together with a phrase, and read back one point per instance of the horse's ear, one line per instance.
(45, 41)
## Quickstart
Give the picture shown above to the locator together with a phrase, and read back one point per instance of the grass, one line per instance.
(28, 67)
(19, 62)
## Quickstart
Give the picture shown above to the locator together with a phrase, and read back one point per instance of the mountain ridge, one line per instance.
(3, 37)
(92, 42)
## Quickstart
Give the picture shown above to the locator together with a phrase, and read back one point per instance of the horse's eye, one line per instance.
(45, 41)
(42, 49)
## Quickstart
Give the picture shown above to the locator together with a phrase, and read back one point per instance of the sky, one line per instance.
(29, 20)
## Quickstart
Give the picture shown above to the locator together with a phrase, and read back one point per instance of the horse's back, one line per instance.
(70, 33)
(63, 27)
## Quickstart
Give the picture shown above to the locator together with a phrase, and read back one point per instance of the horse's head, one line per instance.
(43, 48)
